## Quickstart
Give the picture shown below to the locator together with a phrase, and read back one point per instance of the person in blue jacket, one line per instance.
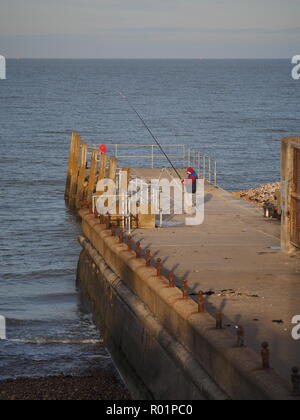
(191, 180)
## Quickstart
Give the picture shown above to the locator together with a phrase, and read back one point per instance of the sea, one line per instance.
(235, 111)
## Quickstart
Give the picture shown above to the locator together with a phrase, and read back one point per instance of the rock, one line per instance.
(260, 195)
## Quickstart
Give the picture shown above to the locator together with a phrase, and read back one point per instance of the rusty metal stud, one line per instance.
(148, 258)
(295, 378)
(265, 355)
(138, 251)
(219, 320)
(108, 223)
(158, 267)
(240, 336)
(129, 243)
(201, 302)
(121, 236)
(185, 289)
(171, 280)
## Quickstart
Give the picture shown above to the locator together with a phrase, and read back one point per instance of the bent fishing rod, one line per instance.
(150, 132)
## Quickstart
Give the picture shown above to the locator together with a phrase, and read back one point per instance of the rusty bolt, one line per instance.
(171, 280)
(185, 289)
(201, 302)
(158, 267)
(148, 258)
(138, 251)
(240, 336)
(121, 236)
(219, 320)
(265, 355)
(129, 243)
(295, 378)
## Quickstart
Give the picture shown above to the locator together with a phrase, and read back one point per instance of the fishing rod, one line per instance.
(150, 132)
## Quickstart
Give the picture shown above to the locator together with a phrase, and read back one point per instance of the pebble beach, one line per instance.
(96, 386)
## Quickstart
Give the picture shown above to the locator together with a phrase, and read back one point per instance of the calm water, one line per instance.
(235, 111)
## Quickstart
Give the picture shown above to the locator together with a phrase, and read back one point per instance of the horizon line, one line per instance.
(146, 58)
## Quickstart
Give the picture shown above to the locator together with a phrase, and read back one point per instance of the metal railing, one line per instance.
(150, 155)
(207, 167)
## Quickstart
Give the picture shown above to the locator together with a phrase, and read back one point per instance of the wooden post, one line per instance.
(112, 170)
(112, 174)
(82, 175)
(102, 168)
(124, 180)
(101, 176)
(74, 171)
(92, 180)
(290, 188)
(102, 173)
(69, 173)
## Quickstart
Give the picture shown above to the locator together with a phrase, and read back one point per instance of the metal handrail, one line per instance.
(139, 145)
(206, 166)
(114, 149)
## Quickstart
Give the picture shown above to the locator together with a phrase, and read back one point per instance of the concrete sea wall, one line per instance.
(153, 364)
(162, 346)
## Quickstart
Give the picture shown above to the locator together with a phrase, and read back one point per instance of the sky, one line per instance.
(150, 28)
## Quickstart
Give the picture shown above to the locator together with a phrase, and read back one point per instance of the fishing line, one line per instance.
(150, 132)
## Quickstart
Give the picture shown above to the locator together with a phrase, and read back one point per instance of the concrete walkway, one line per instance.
(235, 255)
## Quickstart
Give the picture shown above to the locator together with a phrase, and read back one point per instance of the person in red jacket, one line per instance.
(103, 149)
(191, 180)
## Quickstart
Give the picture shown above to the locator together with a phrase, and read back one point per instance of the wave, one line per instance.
(40, 274)
(35, 182)
(50, 341)
(270, 130)
(11, 322)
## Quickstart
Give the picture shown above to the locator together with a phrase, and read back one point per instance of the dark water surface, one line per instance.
(234, 111)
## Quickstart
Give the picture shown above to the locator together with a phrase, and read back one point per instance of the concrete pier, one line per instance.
(159, 335)
(234, 372)
(236, 254)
